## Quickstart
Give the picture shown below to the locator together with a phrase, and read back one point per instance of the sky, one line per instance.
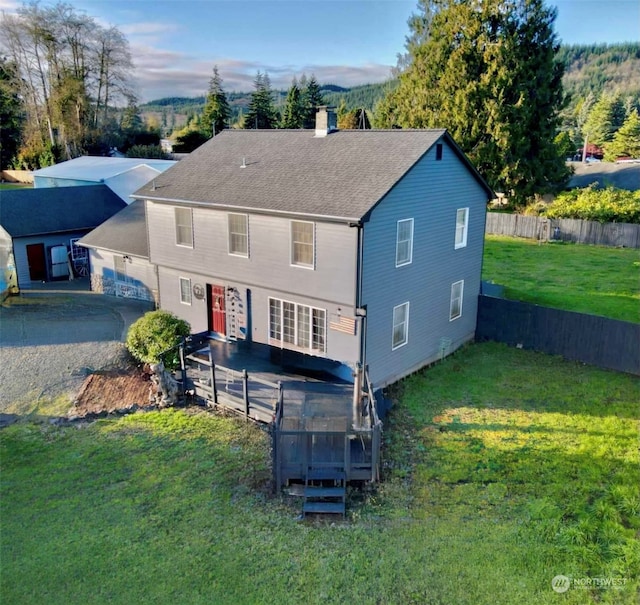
(176, 43)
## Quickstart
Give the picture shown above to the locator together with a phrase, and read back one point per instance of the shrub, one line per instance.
(592, 204)
(153, 334)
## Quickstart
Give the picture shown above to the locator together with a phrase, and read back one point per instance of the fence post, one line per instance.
(280, 398)
(245, 393)
(212, 370)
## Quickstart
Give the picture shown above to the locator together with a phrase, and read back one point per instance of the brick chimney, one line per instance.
(326, 120)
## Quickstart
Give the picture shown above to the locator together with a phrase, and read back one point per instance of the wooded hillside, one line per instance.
(589, 69)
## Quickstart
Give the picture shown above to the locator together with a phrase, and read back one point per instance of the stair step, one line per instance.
(312, 491)
(325, 473)
(334, 508)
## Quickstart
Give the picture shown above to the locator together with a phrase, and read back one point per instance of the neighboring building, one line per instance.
(363, 248)
(39, 227)
(119, 256)
(122, 175)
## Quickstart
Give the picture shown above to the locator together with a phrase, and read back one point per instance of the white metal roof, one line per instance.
(98, 169)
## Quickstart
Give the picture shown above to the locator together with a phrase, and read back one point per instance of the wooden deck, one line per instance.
(313, 424)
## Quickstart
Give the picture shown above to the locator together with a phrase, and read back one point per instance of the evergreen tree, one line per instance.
(131, 119)
(626, 142)
(312, 98)
(604, 119)
(216, 111)
(293, 115)
(11, 114)
(261, 112)
(486, 71)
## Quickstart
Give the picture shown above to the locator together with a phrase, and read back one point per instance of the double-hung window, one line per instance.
(400, 326)
(184, 227)
(239, 234)
(455, 308)
(302, 244)
(185, 290)
(296, 326)
(404, 242)
(462, 223)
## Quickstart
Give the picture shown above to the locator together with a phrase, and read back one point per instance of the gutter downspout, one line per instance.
(356, 411)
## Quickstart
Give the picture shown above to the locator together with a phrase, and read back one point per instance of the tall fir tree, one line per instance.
(216, 112)
(626, 142)
(486, 71)
(261, 112)
(293, 114)
(605, 117)
(312, 98)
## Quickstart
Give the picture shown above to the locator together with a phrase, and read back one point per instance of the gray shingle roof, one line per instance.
(341, 175)
(125, 232)
(26, 212)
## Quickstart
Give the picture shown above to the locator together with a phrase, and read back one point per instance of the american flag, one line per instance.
(343, 324)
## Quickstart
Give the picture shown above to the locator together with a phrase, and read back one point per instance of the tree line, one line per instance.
(490, 72)
(64, 79)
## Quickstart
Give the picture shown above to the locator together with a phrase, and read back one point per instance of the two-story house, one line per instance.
(363, 248)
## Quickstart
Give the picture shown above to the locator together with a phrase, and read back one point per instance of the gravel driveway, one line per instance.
(51, 338)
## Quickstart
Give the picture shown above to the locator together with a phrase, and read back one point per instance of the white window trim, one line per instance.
(175, 220)
(246, 222)
(406, 327)
(453, 285)
(462, 244)
(180, 280)
(312, 266)
(410, 260)
(289, 345)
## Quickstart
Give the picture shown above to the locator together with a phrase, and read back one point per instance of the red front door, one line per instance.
(37, 264)
(217, 314)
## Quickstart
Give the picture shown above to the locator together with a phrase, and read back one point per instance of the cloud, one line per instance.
(164, 73)
(9, 6)
(148, 28)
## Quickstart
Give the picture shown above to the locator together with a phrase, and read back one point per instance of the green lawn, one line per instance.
(587, 279)
(15, 186)
(503, 468)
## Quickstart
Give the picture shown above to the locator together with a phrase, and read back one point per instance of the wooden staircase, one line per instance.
(325, 491)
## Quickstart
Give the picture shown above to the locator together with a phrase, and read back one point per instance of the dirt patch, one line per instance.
(113, 390)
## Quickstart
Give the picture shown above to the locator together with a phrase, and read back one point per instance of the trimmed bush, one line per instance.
(606, 205)
(153, 334)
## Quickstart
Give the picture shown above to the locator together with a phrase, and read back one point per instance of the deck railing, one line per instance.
(247, 394)
(355, 448)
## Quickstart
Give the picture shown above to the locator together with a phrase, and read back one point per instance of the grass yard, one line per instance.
(503, 469)
(587, 279)
(16, 186)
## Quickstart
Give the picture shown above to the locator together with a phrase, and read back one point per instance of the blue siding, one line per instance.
(340, 346)
(268, 265)
(430, 193)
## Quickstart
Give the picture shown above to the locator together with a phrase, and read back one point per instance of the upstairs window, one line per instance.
(438, 151)
(184, 227)
(404, 242)
(462, 223)
(302, 244)
(239, 234)
(455, 308)
(400, 326)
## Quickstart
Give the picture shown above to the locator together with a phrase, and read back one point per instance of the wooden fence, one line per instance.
(618, 235)
(600, 341)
